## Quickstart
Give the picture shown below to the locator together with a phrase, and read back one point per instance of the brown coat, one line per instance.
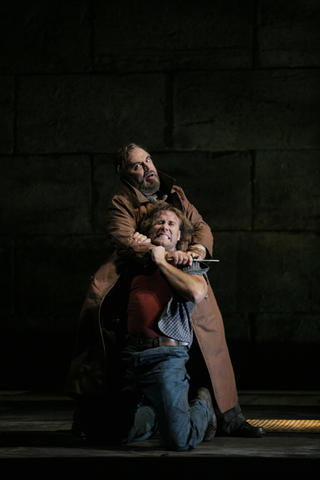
(95, 356)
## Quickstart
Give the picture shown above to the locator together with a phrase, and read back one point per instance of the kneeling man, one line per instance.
(162, 298)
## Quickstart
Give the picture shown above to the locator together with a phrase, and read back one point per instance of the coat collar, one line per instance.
(166, 184)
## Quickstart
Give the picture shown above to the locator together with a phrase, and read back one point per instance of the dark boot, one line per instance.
(204, 395)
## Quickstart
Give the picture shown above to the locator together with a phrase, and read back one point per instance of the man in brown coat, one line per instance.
(93, 361)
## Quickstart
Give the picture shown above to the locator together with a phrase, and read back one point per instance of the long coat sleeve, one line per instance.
(128, 207)
(94, 356)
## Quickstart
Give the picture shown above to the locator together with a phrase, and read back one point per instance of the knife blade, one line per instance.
(196, 260)
(206, 260)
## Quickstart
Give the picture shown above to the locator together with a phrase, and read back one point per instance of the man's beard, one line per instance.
(146, 187)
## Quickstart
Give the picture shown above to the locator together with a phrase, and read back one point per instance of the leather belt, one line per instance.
(155, 342)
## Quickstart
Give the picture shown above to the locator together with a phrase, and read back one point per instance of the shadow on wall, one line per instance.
(36, 360)
(275, 366)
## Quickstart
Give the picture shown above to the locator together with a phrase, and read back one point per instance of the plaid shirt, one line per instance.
(175, 320)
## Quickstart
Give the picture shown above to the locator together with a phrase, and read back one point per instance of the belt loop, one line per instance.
(159, 341)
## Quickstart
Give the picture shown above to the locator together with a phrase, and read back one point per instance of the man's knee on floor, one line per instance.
(177, 445)
(178, 440)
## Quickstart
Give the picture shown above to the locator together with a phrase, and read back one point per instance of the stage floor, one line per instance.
(38, 427)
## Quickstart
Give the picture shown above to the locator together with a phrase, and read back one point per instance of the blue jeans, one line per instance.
(159, 376)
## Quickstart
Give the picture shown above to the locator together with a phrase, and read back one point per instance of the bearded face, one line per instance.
(141, 172)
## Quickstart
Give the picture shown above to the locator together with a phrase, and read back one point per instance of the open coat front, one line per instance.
(94, 364)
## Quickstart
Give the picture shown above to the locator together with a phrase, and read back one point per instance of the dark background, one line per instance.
(226, 96)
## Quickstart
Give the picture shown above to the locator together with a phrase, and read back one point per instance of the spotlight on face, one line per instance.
(166, 230)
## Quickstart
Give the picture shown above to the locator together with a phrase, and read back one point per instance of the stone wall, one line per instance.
(226, 96)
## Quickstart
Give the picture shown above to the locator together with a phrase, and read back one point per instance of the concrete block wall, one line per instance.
(226, 97)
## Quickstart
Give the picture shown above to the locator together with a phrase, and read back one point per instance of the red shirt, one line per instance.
(149, 295)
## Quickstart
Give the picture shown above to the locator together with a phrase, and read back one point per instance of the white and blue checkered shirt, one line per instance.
(175, 320)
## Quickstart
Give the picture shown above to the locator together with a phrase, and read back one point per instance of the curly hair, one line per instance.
(150, 219)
